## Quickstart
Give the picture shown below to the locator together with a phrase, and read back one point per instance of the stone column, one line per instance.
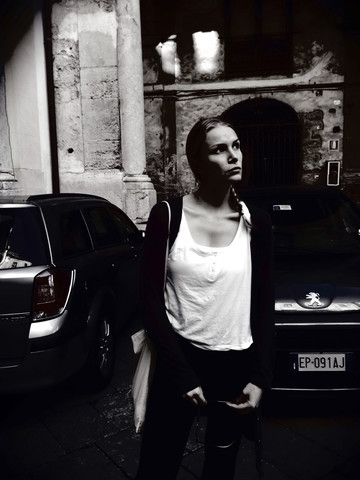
(140, 194)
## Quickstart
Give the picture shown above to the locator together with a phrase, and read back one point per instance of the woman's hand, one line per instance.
(248, 401)
(196, 397)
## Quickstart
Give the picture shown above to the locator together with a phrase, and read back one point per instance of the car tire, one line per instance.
(99, 366)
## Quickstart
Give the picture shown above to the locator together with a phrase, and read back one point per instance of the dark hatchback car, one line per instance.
(69, 271)
(317, 287)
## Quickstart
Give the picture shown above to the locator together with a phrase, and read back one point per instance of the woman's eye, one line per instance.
(219, 149)
(237, 145)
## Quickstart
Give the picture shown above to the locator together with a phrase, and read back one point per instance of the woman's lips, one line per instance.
(233, 171)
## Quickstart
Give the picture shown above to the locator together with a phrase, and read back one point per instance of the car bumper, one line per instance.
(45, 367)
(335, 346)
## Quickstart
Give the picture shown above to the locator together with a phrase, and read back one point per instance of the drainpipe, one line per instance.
(140, 194)
(46, 15)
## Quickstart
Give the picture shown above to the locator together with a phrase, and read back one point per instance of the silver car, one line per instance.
(69, 272)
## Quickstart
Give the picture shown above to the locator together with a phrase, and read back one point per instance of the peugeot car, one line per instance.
(317, 286)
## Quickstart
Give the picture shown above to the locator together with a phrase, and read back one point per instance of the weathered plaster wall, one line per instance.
(320, 115)
(87, 100)
(314, 91)
(6, 167)
(24, 127)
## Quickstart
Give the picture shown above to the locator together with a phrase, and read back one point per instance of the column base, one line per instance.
(140, 197)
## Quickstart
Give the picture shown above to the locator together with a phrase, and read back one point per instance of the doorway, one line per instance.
(269, 133)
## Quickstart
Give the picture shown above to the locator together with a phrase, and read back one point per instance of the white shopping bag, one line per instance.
(143, 375)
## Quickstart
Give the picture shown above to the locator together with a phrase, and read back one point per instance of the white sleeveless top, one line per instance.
(208, 290)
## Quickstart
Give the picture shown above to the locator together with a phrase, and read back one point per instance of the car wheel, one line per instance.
(98, 369)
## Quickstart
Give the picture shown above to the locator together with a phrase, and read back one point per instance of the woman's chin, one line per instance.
(235, 178)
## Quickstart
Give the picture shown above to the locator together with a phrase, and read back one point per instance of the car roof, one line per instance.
(49, 199)
(61, 198)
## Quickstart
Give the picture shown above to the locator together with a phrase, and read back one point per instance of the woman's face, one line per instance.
(221, 156)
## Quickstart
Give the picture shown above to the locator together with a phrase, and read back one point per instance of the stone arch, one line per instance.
(269, 131)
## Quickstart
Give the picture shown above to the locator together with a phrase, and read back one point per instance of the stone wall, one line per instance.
(87, 99)
(25, 165)
(177, 97)
(178, 90)
(320, 115)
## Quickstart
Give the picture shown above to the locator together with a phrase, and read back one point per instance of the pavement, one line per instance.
(60, 434)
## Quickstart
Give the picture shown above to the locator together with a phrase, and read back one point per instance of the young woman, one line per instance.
(208, 307)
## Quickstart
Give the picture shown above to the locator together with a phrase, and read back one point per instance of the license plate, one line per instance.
(319, 362)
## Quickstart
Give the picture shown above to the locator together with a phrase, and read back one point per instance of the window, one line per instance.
(108, 227)
(257, 38)
(123, 223)
(22, 242)
(74, 235)
(315, 225)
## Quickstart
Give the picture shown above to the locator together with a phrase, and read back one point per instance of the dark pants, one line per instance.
(169, 417)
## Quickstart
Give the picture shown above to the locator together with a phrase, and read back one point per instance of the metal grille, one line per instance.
(271, 153)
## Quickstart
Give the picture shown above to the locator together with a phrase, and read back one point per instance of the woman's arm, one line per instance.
(180, 375)
(262, 305)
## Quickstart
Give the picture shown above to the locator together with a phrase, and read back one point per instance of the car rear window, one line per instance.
(22, 239)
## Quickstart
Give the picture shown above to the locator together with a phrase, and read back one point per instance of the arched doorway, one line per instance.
(269, 133)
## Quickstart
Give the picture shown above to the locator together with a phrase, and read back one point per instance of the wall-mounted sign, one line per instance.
(333, 173)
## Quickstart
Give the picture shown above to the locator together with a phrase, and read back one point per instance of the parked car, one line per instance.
(69, 271)
(317, 287)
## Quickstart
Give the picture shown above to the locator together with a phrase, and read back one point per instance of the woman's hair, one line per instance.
(237, 205)
(194, 143)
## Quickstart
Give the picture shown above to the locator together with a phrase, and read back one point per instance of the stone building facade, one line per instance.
(72, 83)
(285, 72)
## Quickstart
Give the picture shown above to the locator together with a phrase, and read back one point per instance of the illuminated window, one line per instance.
(206, 52)
(169, 59)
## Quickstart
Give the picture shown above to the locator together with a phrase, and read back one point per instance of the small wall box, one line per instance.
(333, 173)
(334, 145)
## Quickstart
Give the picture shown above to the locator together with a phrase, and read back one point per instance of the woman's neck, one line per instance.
(213, 198)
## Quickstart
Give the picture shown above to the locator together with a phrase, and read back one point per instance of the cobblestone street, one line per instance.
(58, 434)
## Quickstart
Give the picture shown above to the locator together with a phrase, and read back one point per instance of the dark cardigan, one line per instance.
(180, 375)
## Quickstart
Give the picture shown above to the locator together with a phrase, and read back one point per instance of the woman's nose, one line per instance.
(234, 155)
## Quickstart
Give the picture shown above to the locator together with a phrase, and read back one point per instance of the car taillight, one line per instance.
(51, 291)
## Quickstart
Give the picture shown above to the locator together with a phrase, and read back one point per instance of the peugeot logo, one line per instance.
(314, 300)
